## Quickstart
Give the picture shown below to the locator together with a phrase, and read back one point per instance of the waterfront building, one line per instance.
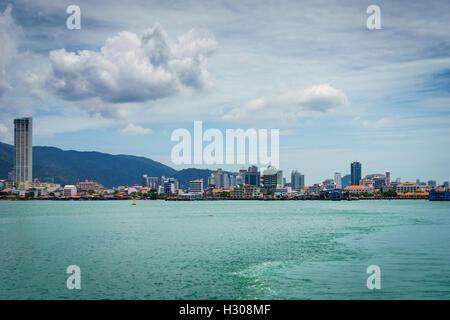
(38, 191)
(355, 172)
(358, 189)
(245, 192)
(23, 149)
(252, 177)
(331, 186)
(196, 186)
(297, 180)
(272, 178)
(283, 191)
(70, 190)
(86, 186)
(407, 187)
(338, 180)
(314, 188)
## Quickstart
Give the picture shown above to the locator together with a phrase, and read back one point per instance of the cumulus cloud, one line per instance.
(129, 68)
(290, 104)
(9, 33)
(134, 130)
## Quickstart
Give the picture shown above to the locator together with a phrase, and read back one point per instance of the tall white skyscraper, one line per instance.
(23, 149)
(338, 180)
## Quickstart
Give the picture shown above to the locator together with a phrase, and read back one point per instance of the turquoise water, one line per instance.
(225, 249)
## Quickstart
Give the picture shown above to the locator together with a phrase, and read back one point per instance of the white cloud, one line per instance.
(129, 68)
(5, 134)
(134, 130)
(9, 32)
(290, 104)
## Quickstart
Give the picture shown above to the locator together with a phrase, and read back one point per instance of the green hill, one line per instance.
(68, 167)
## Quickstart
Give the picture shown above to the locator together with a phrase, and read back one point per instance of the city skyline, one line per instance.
(271, 175)
(332, 98)
(22, 170)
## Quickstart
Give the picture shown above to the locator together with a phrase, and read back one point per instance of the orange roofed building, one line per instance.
(359, 189)
(86, 186)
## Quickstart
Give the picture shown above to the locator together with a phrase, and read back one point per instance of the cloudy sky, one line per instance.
(137, 70)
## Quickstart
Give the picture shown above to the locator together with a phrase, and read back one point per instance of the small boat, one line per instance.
(134, 203)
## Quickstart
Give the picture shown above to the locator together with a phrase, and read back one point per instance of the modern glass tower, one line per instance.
(23, 149)
(297, 180)
(355, 171)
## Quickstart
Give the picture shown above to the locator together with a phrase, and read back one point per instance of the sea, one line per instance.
(225, 249)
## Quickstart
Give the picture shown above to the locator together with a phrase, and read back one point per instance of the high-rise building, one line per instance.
(153, 182)
(219, 179)
(297, 180)
(196, 186)
(355, 171)
(272, 178)
(432, 183)
(240, 178)
(446, 184)
(23, 149)
(346, 181)
(388, 178)
(252, 176)
(338, 180)
(212, 180)
(144, 181)
(170, 185)
(226, 180)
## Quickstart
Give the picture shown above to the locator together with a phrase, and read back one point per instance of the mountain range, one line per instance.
(68, 167)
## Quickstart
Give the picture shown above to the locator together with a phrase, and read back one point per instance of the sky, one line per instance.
(137, 70)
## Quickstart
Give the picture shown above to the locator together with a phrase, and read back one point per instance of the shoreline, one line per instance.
(217, 199)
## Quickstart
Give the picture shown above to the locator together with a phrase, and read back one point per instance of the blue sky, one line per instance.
(337, 91)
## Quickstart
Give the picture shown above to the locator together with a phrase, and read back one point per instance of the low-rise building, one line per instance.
(88, 186)
(406, 187)
(358, 189)
(70, 190)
